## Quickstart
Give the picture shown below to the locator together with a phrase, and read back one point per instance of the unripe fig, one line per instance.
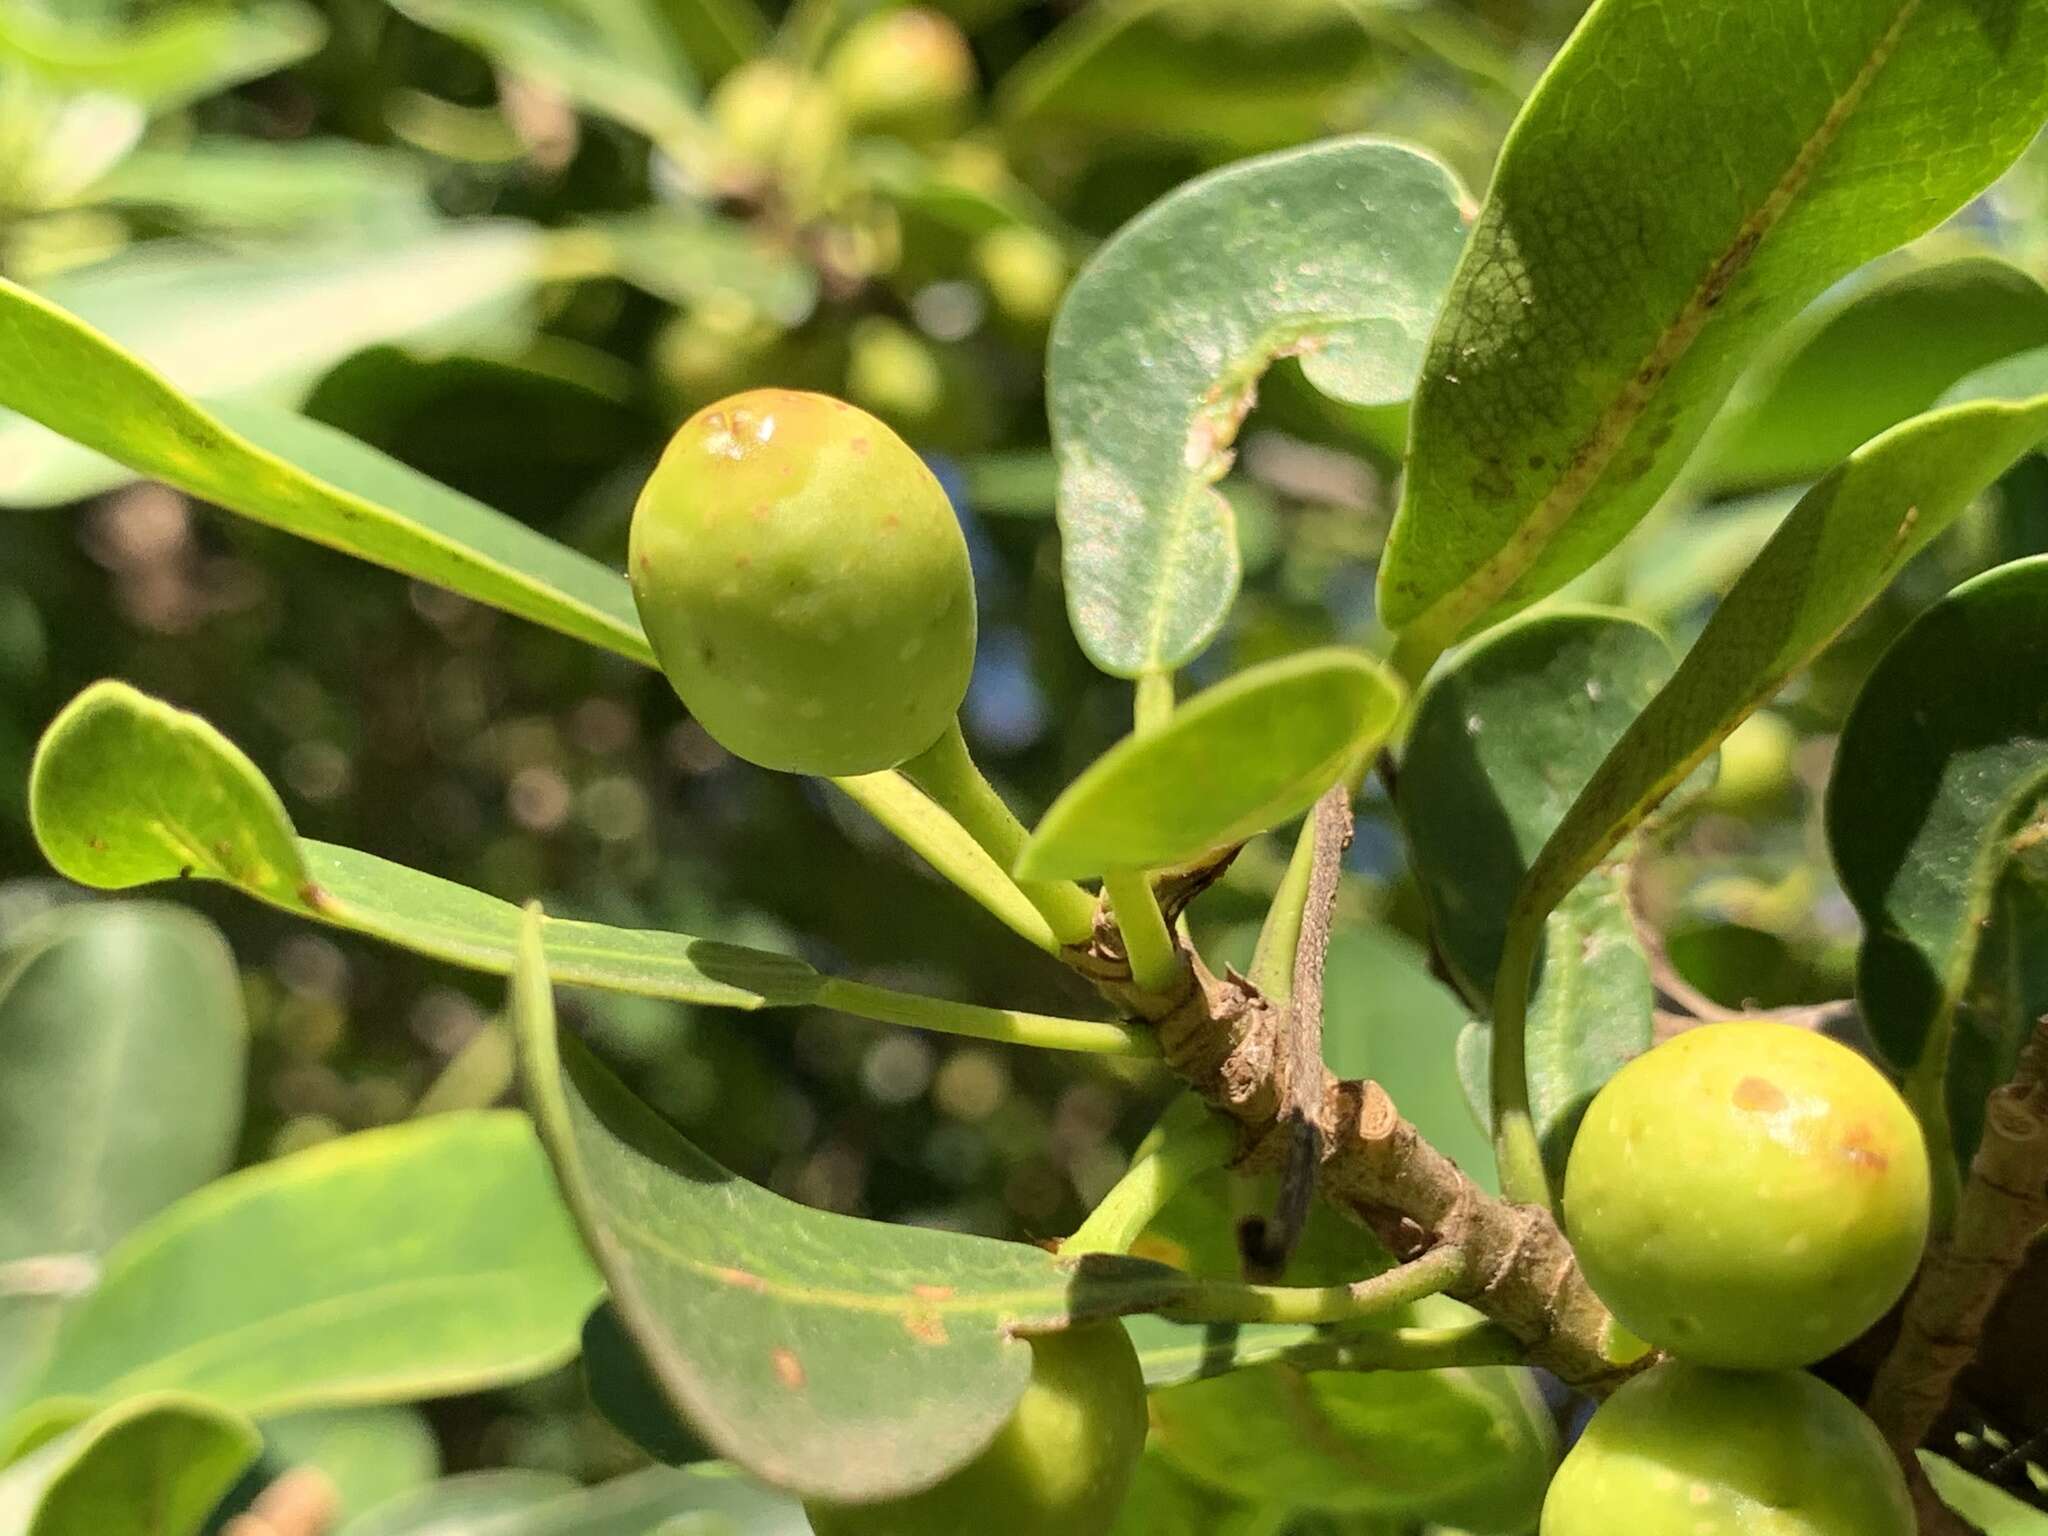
(805, 584)
(906, 72)
(893, 371)
(1683, 1450)
(1060, 1467)
(1756, 764)
(1025, 271)
(777, 124)
(1748, 1195)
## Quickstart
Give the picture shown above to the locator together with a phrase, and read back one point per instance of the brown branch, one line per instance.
(2003, 1207)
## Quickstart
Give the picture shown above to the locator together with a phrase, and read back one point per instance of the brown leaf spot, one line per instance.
(932, 1292)
(925, 1327)
(1861, 1148)
(744, 1279)
(1759, 1095)
(788, 1369)
(96, 844)
(314, 897)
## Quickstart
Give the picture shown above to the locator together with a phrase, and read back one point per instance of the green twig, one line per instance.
(1189, 1140)
(1155, 959)
(1516, 1146)
(934, 836)
(1233, 1301)
(1100, 1037)
(946, 771)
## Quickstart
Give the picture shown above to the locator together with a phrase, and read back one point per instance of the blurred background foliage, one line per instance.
(514, 243)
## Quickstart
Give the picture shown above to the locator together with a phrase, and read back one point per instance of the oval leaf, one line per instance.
(1940, 784)
(297, 476)
(177, 56)
(835, 1357)
(107, 1013)
(1649, 225)
(409, 1262)
(154, 1465)
(1338, 252)
(704, 1500)
(1834, 552)
(210, 812)
(1234, 760)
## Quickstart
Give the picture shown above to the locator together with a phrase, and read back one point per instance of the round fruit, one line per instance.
(1748, 1195)
(1025, 270)
(907, 72)
(1060, 1467)
(1683, 1450)
(778, 124)
(805, 584)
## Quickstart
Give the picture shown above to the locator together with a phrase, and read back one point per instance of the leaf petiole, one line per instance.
(1103, 1037)
(1155, 958)
(1234, 1301)
(1188, 1141)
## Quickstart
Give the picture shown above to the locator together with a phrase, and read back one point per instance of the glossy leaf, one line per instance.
(178, 55)
(1940, 784)
(238, 327)
(211, 814)
(154, 1465)
(1834, 552)
(1503, 739)
(1865, 360)
(369, 1455)
(660, 1501)
(624, 1389)
(108, 1014)
(1236, 759)
(1990, 1510)
(614, 57)
(294, 475)
(835, 1357)
(1337, 253)
(1680, 184)
(413, 1261)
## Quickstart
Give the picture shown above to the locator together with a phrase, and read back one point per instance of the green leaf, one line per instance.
(237, 327)
(624, 1390)
(835, 1357)
(1652, 221)
(1236, 759)
(1864, 360)
(1940, 784)
(616, 58)
(705, 1500)
(210, 813)
(1990, 1510)
(690, 258)
(1835, 551)
(154, 1465)
(294, 475)
(1503, 739)
(415, 1261)
(179, 55)
(107, 1013)
(282, 188)
(369, 1455)
(1338, 253)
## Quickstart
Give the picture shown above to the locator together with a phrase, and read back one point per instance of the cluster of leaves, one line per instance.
(1681, 422)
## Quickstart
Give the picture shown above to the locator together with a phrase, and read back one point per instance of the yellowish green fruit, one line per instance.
(777, 124)
(1025, 272)
(905, 72)
(1060, 1467)
(1756, 763)
(1687, 1451)
(1748, 1195)
(894, 372)
(805, 584)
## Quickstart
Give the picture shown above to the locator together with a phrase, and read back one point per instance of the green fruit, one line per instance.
(1686, 1451)
(805, 584)
(1756, 764)
(893, 371)
(905, 72)
(778, 124)
(1060, 1467)
(1748, 1195)
(1025, 272)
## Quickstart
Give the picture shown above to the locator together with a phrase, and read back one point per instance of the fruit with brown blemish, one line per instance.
(805, 584)
(1748, 1195)
(1059, 1467)
(1683, 1450)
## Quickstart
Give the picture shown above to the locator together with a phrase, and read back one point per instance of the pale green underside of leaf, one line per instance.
(835, 1357)
(175, 56)
(107, 1013)
(1991, 1510)
(1680, 184)
(127, 791)
(370, 1454)
(154, 1465)
(1236, 759)
(1339, 252)
(414, 1261)
(1942, 764)
(1844, 542)
(708, 1499)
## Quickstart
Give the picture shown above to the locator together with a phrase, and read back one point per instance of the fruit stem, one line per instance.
(1516, 1146)
(947, 772)
(1047, 1032)
(1233, 1301)
(944, 844)
(1188, 1140)
(1155, 957)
